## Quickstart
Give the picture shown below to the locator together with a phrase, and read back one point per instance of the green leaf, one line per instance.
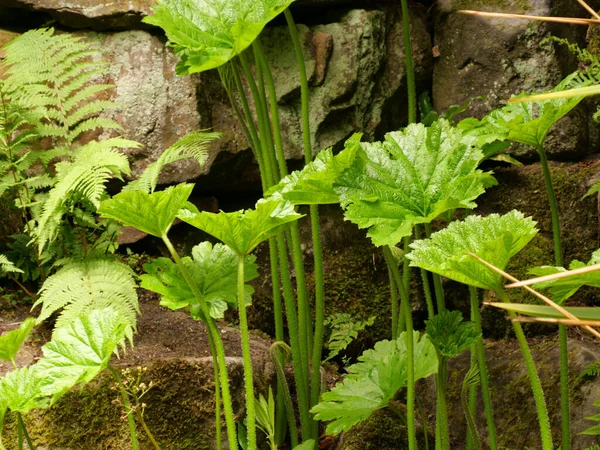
(242, 230)
(449, 334)
(343, 331)
(22, 389)
(581, 312)
(314, 184)
(530, 122)
(80, 350)
(11, 342)
(563, 288)
(6, 266)
(208, 33)
(595, 188)
(213, 269)
(412, 177)
(494, 238)
(191, 146)
(373, 382)
(82, 286)
(151, 213)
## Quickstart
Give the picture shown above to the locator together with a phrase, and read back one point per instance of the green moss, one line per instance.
(179, 412)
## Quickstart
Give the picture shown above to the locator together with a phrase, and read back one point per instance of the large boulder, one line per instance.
(497, 58)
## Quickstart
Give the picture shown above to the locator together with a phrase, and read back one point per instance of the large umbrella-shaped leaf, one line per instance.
(314, 184)
(11, 342)
(214, 271)
(80, 350)
(563, 288)
(151, 213)
(208, 33)
(529, 122)
(494, 238)
(412, 177)
(243, 230)
(372, 383)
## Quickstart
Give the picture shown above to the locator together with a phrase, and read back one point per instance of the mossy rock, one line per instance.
(513, 406)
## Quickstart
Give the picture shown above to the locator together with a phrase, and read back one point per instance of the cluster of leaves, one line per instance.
(77, 353)
(373, 382)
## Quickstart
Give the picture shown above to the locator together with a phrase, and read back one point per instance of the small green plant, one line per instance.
(135, 389)
(343, 331)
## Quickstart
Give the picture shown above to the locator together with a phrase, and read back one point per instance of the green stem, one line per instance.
(218, 343)
(442, 409)
(19, 437)
(282, 381)
(317, 347)
(25, 433)
(246, 355)
(468, 404)
(218, 436)
(437, 281)
(534, 379)
(562, 329)
(128, 409)
(292, 318)
(410, 73)
(148, 432)
(410, 370)
(426, 285)
(483, 370)
(395, 306)
(423, 422)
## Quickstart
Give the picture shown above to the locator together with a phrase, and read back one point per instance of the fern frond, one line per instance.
(83, 178)
(81, 286)
(191, 146)
(55, 73)
(7, 266)
(591, 371)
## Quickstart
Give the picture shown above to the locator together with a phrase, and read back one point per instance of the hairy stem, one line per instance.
(132, 432)
(437, 281)
(410, 73)
(562, 329)
(441, 419)
(282, 381)
(410, 371)
(534, 379)
(218, 343)
(394, 297)
(246, 355)
(426, 285)
(218, 436)
(483, 370)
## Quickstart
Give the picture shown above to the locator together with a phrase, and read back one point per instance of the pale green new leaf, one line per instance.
(11, 342)
(530, 122)
(151, 213)
(412, 177)
(82, 286)
(563, 288)
(243, 230)
(80, 350)
(372, 383)
(314, 184)
(494, 238)
(22, 389)
(306, 445)
(214, 271)
(449, 334)
(191, 146)
(208, 33)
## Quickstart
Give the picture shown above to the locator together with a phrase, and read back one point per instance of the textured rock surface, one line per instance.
(88, 13)
(497, 58)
